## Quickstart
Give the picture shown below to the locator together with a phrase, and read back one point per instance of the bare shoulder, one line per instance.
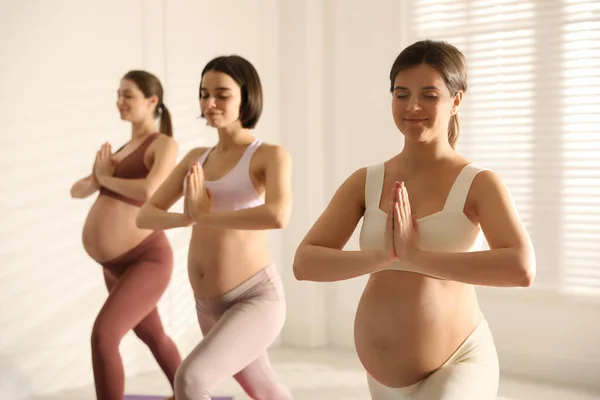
(356, 181)
(351, 192)
(270, 152)
(193, 155)
(164, 142)
(487, 183)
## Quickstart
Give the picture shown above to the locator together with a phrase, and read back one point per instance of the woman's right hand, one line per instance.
(388, 252)
(187, 216)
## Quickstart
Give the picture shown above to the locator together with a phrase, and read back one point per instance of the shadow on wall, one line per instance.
(13, 384)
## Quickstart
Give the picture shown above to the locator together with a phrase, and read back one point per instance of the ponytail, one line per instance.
(453, 130)
(165, 120)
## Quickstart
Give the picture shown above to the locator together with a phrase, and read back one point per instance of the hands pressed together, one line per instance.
(401, 231)
(104, 165)
(197, 199)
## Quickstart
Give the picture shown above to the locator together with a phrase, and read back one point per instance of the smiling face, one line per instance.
(133, 106)
(220, 99)
(422, 104)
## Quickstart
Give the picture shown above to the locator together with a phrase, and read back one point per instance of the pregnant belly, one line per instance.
(408, 325)
(110, 229)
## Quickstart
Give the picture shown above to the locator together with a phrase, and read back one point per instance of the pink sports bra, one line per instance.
(235, 190)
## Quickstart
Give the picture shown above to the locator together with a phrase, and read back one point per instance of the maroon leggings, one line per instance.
(136, 281)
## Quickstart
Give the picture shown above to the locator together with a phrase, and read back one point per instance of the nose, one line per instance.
(413, 104)
(211, 102)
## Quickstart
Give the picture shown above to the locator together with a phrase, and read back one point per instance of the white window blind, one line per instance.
(532, 113)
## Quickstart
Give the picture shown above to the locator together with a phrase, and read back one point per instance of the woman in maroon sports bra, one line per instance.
(137, 263)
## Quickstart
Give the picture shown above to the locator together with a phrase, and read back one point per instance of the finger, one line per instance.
(410, 221)
(195, 176)
(400, 201)
(190, 184)
(389, 222)
(405, 206)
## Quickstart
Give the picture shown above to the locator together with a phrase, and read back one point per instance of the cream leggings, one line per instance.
(471, 373)
(238, 328)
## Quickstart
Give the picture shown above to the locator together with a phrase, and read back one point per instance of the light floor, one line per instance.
(324, 375)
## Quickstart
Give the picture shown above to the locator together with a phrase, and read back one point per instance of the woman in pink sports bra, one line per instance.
(234, 194)
(419, 332)
(137, 263)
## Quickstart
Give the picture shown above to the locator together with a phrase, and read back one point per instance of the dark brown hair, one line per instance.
(150, 86)
(447, 60)
(245, 75)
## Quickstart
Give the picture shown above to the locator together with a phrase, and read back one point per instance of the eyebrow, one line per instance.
(423, 88)
(219, 88)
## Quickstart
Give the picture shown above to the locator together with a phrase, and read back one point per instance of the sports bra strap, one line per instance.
(461, 187)
(374, 185)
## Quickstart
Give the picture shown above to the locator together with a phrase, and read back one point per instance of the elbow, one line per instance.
(527, 276)
(299, 265)
(527, 269)
(281, 218)
(146, 194)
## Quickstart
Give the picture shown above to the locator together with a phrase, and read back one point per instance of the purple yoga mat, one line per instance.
(148, 397)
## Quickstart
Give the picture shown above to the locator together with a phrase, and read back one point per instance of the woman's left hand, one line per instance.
(405, 225)
(104, 165)
(197, 197)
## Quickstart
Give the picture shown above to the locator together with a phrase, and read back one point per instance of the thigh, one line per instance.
(258, 374)
(239, 337)
(109, 279)
(133, 295)
(465, 381)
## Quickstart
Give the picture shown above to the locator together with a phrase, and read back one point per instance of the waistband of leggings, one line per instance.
(155, 240)
(480, 334)
(268, 273)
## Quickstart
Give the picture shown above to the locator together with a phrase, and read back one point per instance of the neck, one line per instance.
(231, 137)
(142, 129)
(419, 156)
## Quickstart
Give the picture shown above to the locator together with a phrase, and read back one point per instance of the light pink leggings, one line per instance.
(238, 328)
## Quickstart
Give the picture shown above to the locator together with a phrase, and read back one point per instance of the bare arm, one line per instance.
(155, 214)
(320, 256)
(275, 213)
(84, 187)
(510, 260)
(165, 157)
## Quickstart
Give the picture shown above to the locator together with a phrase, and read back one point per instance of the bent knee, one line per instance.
(105, 335)
(193, 383)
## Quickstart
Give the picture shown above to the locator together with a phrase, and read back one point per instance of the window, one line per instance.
(532, 114)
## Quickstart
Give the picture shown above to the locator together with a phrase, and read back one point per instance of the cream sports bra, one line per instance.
(448, 230)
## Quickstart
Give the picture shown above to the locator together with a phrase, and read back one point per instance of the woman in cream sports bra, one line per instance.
(419, 332)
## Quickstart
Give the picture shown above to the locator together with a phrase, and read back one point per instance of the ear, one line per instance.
(153, 101)
(458, 97)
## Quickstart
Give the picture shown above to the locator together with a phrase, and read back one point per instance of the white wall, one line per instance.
(61, 65)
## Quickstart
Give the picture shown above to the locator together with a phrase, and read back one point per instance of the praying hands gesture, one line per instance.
(104, 165)
(401, 226)
(197, 198)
